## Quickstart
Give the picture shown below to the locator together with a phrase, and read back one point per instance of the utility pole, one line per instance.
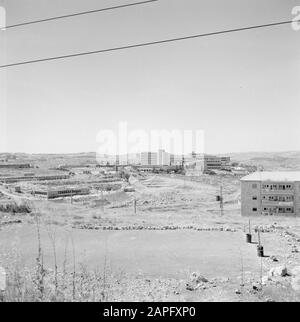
(221, 201)
(102, 201)
(260, 248)
(135, 205)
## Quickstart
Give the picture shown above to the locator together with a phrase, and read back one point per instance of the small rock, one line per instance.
(190, 287)
(256, 287)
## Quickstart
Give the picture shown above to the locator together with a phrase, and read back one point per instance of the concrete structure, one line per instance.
(225, 160)
(149, 158)
(62, 192)
(211, 162)
(67, 192)
(271, 193)
(33, 178)
(206, 162)
(164, 158)
(239, 171)
(176, 160)
(15, 165)
(225, 163)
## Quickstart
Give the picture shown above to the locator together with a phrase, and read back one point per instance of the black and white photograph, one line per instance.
(149, 153)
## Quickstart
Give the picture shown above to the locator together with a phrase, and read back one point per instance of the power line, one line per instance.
(147, 43)
(77, 14)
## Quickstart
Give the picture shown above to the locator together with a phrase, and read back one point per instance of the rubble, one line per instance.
(196, 281)
(140, 227)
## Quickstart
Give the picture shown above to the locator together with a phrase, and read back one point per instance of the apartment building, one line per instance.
(149, 158)
(271, 193)
(164, 158)
(211, 162)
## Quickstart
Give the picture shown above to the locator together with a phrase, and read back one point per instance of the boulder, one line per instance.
(278, 271)
(197, 278)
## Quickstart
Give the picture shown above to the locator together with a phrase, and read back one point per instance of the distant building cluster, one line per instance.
(196, 164)
(160, 158)
(192, 162)
(271, 193)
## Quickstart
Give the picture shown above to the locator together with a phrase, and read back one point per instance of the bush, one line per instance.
(14, 208)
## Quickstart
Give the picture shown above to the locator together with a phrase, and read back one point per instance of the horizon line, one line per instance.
(91, 152)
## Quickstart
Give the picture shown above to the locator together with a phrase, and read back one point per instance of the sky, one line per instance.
(242, 89)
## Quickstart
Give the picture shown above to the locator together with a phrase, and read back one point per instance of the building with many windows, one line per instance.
(149, 158)
(164, 158)
(271, 193)
(206, 162)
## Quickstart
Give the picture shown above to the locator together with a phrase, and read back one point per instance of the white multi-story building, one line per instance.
(164, 158)
(271, 193)
(206, 162)
(149, 158)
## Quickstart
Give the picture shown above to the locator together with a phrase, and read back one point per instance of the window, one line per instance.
(254, 185)
(254, 209)
(254, 198)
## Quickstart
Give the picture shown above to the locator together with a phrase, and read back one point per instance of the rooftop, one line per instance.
(273, 176)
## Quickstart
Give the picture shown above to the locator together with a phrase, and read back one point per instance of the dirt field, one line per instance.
(177, 230)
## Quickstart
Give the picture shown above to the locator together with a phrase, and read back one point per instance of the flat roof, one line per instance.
(273, 176)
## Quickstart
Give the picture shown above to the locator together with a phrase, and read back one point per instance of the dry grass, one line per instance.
(67, 283)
